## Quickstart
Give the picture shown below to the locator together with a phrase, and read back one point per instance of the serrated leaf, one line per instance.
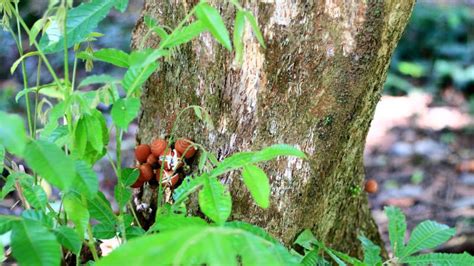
(397, 227)
(122, 195)
(12, 133)
(100, 209)
(182, 36)
(371, 251)
(129, 176)
(256, 29)
(51, 163)
(311, 258)
(32, 244)
(258, 184)
(136, 76)
(215, 201)
(8, 187)
(214, 23)
(58, 136)
(427, 234)
(201, 246)
(335, 257)
(104, 231)
(6, 223)
(113, 56)
(124, 111)
(188, 186)
(38, 216)
(98, 79)
(171, 222)
(77, 213)
(86, 180)
(239, 27)
(440, 259)
(68, 238)
(35, 196)
(81, 21)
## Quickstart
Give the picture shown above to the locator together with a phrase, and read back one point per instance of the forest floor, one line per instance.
(420, 150)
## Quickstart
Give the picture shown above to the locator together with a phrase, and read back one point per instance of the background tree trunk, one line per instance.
(315, 86)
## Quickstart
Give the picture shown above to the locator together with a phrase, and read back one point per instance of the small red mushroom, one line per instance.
(146, 172)
(185, 145)
(141, 152)
(158, 146)
(371, 186)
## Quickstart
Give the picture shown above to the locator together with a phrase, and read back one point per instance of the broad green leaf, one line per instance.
(68, 238)
(51, 163)
(121, 5)
(397, 227)
(186, 34)
(124, 111)
(93, 126)
(8, 187)
(129, 176)
(335, 257)
(35, 196)
(122, 195)
(32, 244)
(19, 60)
(256, 29)
(239, 27)
(258, 184)
(12, 133)
(98, 79)
(213, 21)
(81, 21)
(113, 56)
(77, 213)
(215, 201)
(136, 76)
(344, 257)
(258, 231)
(276, 150)
(371, 251)
(2, 157)
(198, 245)
(440, 259)
(91, 137)
(51, 90)
(427, 234)
(104, 231)
(59, 136)
(39, 216)
(86, 180)
(171, 222)
(100, 209)
(202, 160)
(6, 223)
(306, 239)
(133, 232)
(188, 186)
(312, 258)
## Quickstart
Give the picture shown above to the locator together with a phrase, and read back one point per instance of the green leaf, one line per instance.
(188, 186)
(256, 29)
(19, 60)
(113, 56)
(215, 201)
(171, 222)
(197, 245)
(12, 133)
(39, 216)
(51, 90)
(129, 176)
(2, 157)
(121, 5)
(136, 76)
(312, 258)
(77, 213)
(104, 231)
(68, 238)
(276, 150)
(202, 160)
(258, 184)
(124, 111)
(35, 196)
(36, 29)
(32, 244)
(186, 34)
(440, 259)
(197, 112)
(134, 232)
(335, 257)
(81, 21)
(100, 209)
(258, 231)
(306, 239)
(371, 251)
(51, 163)
(397, 227)
(239, 27)
(6, 223)
(86, 180)
(427, 234)
(58, 136)
(98, 79)
(9, 186)
(122, 195)
(213, 21)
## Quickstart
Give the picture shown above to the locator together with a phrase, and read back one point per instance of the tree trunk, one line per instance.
(315, 86)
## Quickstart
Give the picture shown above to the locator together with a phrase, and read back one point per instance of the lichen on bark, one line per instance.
(315, 86)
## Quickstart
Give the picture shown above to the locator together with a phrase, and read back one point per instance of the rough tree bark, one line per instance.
(315, 86)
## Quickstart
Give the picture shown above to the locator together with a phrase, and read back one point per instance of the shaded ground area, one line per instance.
(421, 152)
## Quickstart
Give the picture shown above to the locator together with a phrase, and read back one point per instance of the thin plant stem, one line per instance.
(134, 214)
(91, 243)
